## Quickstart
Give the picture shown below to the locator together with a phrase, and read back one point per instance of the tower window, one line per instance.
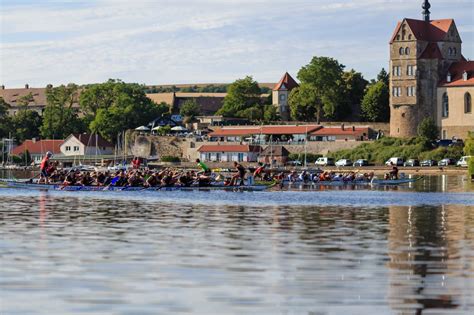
(409, 37)
(282, 97)
(401, 51)
(407, 51)
(445, 105)
(450, 51)
(467, 103)
(411, 70)
(411, 91)
(454, 51)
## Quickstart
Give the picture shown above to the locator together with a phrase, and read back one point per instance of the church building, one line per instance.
(430, 78)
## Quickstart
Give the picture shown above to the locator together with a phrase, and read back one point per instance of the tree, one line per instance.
(254, 113)
(116, 106)
(26, 124)
(375, 104)
(270, 113)
(354, 86)
(469, 145)
(60, 117)
(5, 120)
(190, 110)
(428, 129)
(305, 103)
(241, 95)
(383, 76)
(324, 74)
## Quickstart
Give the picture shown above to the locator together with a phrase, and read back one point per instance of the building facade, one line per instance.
(280, 95)
(421, 54)
(229, 153)
(86, 144)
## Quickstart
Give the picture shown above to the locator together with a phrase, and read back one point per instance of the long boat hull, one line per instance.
(33, 186)
(374, 182)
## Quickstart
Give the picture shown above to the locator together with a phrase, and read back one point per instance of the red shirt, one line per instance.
(44, 163)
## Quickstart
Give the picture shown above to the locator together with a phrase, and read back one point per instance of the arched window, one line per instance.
(409, 37)
(467, 103)
(401, 50)
(454, 51)
(450, 51)
(445, 105)
(407, 51)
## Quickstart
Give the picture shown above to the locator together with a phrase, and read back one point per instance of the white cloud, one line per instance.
(193, 41)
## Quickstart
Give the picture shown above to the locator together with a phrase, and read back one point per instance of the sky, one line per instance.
(207, 41)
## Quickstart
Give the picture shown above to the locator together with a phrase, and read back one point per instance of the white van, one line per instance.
(463, 161)
(324, 161)
(395, 161)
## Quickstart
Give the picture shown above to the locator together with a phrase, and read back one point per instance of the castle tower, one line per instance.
(280, 95)
(421, 52)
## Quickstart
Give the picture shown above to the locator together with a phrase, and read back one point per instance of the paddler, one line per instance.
(204, 169)
(44, 166)
(239, 175)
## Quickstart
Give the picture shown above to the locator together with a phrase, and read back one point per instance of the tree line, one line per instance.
(106, 108)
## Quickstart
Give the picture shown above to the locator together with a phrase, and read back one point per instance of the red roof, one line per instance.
(456, 70)
(338, 131)
(90, 140)
(286, 83)
(265, 130)
(38, 147)
(229, 148)
(433, 31)
(431, 52)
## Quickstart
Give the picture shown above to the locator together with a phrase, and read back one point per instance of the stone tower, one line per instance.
(280, 94)
(421, 52)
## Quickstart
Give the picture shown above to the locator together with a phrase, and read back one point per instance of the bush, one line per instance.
(471, 167)
(173, 159)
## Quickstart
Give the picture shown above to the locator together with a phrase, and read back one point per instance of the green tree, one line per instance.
(305, 103)
(427, 129)
(254, 113)
(354, 86)
(26, 124)
(5, 120)
(115, 106)
(270, 113)
(190, 110)
(324, 74)
(383, 76)
(60, 117)
(469, 145)
(241, 95)
(375, 104)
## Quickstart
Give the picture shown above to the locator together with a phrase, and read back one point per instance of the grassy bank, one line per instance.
(379, 151)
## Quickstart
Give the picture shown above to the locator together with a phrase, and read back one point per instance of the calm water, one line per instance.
(408, 250)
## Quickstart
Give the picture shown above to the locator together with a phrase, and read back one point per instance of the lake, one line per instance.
(398, 250)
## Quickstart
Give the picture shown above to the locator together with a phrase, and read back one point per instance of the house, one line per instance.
(229, 153)
(291, 134)
(86, 144)
(342, 133)
(38, 148)
(274, 153)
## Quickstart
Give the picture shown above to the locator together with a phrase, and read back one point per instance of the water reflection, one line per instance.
(130, 256)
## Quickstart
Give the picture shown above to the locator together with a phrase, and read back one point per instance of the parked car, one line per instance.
(428, 163)
(324, 161)
(463, 161)
(446, 162)
(398, 161)
(344, 162)
(411, 163)
(361, 162)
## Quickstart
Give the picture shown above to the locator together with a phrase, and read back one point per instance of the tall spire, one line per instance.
(426, 10)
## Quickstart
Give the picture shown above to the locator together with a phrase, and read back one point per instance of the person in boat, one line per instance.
(186, 180)
(394, 172)
(86, 179)
(304, 176)
(152, 180)
(45, 164)
(135, 179)
(136, 162)
(260, 171)
(292, 177)
(239, 175)
(205, 170)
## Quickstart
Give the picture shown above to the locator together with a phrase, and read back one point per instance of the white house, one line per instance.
(86, 144)
(229, 153)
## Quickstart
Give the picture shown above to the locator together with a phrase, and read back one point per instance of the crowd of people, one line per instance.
(202, 177)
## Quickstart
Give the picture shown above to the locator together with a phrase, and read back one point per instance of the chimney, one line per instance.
(27, 86)
(342, 126)
(448, 77)
(464, 75)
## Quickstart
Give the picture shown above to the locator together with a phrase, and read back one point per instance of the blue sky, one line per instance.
(185, 41)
